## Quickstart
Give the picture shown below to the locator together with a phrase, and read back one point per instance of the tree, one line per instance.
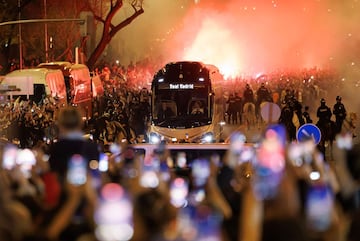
(66, 35)
(109, 29)
(9, 11)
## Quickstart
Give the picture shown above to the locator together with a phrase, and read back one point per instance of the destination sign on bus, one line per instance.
(180, 86)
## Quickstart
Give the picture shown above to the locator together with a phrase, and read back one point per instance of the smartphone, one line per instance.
(181, 160)
(314, 176)
(271, 153)
(246, 155)
(9, 156)
(26, 160)
(269, 166)
(115, 149)
(152, 164)
(318, 207)
(208, 223)
(164, 171)
(237, 141)
(77, 170)
(114, 214)
(215, 159)
(103, 162)
(200, 170)
(149, 179)
(344, 141)
(179, 189)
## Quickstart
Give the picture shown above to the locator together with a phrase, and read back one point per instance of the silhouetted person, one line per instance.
(340, 113)
(197, 108)
(165, 112)
(248, 94)
(323, 113)
(71, 141)
(306, 115)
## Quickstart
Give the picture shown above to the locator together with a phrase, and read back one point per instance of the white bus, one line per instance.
(183, 107)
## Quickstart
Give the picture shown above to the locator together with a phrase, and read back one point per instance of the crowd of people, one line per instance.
(280, 88)
(27, 123)
(76, 189)
(66, 187)
(126, 101)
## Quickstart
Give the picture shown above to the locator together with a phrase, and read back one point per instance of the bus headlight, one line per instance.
(207, 137)
(154, 138)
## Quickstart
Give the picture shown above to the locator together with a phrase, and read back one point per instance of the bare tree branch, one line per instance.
(133, 5)
(118, 4)
(98, 18)
(126, 22)
(110, 16)
(109, 30)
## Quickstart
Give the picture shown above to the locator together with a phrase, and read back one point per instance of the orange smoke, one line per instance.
(246, 36)
(226, 56)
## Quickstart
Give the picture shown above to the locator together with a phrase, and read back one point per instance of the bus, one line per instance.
(183, 107)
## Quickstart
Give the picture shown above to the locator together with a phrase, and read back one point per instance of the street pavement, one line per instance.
(252, 134)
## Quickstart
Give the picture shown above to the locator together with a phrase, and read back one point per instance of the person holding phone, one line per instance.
(71, 142)
(69, 161)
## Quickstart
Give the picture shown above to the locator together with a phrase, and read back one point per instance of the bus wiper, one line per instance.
(164, 122)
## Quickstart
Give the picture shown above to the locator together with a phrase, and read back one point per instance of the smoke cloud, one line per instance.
(259, 36)
(250, 37)
(244, 35)
(256, 36)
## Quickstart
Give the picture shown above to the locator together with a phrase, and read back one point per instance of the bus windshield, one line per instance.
(182, 97)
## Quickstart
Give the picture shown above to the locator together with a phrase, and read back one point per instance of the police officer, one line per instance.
(306, 115)
(231, 109)
(248, 95)
(238, 108)
(297, 108)
(263, 94)
(323, 113)
(340, 113)
(285, 119)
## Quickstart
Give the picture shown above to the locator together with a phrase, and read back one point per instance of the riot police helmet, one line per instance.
(338, 98)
